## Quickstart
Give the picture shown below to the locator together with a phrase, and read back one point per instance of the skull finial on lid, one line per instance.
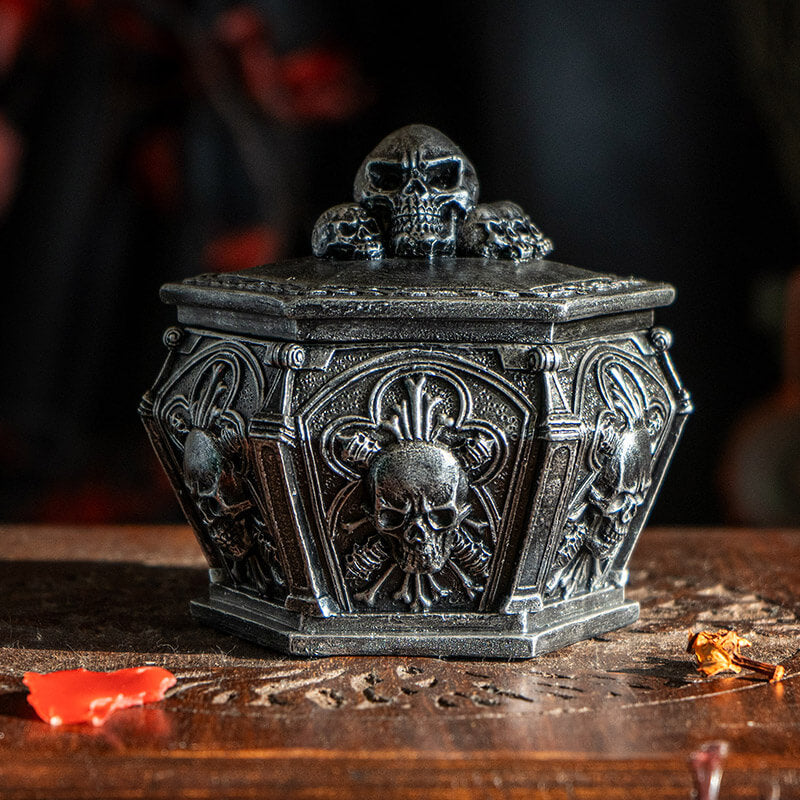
(419, 191)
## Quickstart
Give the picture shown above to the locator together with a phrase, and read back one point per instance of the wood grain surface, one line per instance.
(613, 717)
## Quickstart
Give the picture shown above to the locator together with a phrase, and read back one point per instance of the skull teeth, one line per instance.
(429, 216)
(417, 223)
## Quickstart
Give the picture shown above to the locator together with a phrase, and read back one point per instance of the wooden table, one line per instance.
(616, 716)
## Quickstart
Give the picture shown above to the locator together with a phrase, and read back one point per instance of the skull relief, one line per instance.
(218, 489)
(621, 457)
(621, 485)
(347, 231)
(209, 438)
(420, 186)
(418, 455)
(418, 494)
(503, 230)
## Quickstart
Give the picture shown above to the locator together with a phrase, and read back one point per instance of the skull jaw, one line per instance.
(423, 245)
(358, 250)
(516, 248)
(424, 235)
(607, 538)
(423, 557)
(419, 227)
(613, 517)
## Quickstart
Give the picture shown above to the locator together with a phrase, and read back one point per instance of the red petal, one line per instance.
(11, 149)
(322, 84)
(157, 164)
(78, 695)
(240, 25)
(17, 17)
(243, 249)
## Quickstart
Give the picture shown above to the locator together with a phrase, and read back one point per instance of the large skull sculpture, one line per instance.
(420, 187)
(416, 196)
(418, 493)
(219, 490)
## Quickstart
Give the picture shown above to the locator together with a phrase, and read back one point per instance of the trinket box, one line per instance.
(427, 438)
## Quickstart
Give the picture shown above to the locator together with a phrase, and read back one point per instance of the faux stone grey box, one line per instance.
(429, 440)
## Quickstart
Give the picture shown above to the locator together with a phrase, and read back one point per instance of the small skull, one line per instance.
(347, 231)
(418, 495)
(621, 486)
(215, 484)
(420, 186)
(503, 230)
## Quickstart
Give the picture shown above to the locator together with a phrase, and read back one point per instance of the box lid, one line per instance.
(414, 256)
(449, 288)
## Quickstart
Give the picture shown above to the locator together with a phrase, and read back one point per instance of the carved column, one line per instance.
(274, 435)
(559, 435)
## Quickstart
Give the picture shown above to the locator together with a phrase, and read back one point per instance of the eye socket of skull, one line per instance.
(654, 419)
(211, 506)
(390, 519)
(441, 518)
(615, 504)
(444, 174)
(385, 176)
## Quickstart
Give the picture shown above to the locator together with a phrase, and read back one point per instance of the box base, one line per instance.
(458, 635)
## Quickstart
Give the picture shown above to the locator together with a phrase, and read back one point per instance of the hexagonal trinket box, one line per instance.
(425, 439)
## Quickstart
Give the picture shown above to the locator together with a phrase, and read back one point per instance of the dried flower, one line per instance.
(720, 651)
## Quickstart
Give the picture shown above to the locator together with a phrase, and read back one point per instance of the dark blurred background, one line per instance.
(147, 141)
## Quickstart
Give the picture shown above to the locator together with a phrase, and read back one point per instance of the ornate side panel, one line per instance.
(632, 407)
(197, 416)
(414, 459)
(371, 480)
